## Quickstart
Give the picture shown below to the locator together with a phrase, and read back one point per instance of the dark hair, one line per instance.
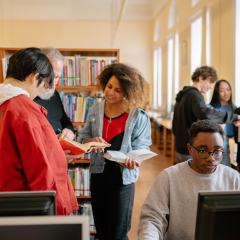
(27, 61)
(215, 101)
(205, 72)
(207, 126)
(133, 84)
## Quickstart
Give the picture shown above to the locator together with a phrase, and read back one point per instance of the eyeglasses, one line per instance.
(205, 154)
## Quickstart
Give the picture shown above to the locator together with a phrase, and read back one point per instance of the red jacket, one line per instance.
(31, 157)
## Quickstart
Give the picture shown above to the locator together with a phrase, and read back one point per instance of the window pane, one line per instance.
(170, 74)
(155, 55)
(196, 44)
(159, 77)
(176, 90)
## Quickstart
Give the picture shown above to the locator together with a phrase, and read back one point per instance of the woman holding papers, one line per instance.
(119, 121)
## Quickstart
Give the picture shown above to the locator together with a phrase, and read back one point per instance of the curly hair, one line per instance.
(205, 72)
(132, 82)
(207, 126)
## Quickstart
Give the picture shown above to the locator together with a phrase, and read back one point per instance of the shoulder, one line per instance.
(228, 172)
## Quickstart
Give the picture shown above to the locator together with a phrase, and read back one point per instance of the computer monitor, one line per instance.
(44, 228)
(30, 203)
(218, 215)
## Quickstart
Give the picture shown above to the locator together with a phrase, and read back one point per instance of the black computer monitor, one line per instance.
(45, 228)
(30, 203)
(218, 215)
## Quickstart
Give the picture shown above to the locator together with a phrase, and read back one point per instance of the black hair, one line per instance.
(215, 101)
(207, 126)
(27, 61)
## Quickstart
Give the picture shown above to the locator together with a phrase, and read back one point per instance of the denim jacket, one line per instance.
(137, 135)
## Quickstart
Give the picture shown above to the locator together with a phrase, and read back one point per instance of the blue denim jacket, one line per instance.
(137, 135)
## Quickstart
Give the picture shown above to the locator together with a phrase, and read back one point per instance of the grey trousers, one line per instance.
(181, 157)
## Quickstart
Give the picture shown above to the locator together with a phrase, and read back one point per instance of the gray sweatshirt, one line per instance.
(175, 193)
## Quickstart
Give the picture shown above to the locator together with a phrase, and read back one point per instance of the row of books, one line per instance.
(93, 238)
(85, 156)
(86, 210)
(76, 107)
(82, 71)
(80, 179)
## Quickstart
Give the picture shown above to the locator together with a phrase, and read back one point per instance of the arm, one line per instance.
(153, 220)
(201, 111)
(141, 136)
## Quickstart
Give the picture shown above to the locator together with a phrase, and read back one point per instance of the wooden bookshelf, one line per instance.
(9, 51)
(93, 88)
(83, 197)
(80, 161)
(78, 123)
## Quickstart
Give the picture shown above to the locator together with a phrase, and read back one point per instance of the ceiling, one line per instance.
(136, 10)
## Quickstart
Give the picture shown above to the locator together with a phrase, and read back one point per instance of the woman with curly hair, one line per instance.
(119, 121)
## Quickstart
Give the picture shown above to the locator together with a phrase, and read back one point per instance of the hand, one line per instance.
(130, 164)
(66, 133)
(96, 139)
(236, 123)
(70, 157)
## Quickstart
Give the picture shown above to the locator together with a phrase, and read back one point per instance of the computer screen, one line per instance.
(29, 203)
(44, 228)
(218, 215)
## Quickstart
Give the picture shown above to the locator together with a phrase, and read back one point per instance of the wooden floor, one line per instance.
(148, 172)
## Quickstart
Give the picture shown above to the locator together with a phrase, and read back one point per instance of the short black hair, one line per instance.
(207, 126)
(27, 61)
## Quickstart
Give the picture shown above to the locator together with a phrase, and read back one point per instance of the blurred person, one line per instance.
(190, 107)
(222, 101)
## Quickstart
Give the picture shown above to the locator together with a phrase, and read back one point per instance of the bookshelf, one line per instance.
(113, 53)
(6, 52)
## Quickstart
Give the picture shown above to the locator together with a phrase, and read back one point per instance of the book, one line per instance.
(139, 155)
(78, 148)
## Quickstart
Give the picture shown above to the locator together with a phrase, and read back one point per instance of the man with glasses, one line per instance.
(171, 205)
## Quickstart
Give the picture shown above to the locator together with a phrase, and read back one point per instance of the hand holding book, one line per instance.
(78, 148)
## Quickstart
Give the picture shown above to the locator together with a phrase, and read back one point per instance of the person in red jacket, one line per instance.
(31, 157)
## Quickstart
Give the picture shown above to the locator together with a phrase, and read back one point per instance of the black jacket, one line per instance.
(55, 112)
(189, 108)
(237, 111)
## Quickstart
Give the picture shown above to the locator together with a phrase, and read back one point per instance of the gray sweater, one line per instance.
(175, 193)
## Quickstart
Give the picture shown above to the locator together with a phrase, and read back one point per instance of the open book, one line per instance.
(139, 155)
(78, 148)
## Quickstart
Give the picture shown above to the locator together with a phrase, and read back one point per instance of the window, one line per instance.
(159, 77)
(156, 31)
(176, 64)
(194, 2)
(155, 73)
(208, 48)
(173, 14)
(196, 44)
(237, 54)
(170, 74)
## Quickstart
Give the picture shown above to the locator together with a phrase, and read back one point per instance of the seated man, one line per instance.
(171, 205)
(31, 158)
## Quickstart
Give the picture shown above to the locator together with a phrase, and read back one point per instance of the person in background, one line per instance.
(222, 101)
(31, 158)
(51, 101)
(119, 121)
(171, 205)
(190, 107)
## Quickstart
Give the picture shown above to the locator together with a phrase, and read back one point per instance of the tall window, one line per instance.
(237, 54)
(194, 2)
(155, 76)
(159, 77)
(176, 65)
(170, 74)
(208, 48)
(173, 14)
(196, 44)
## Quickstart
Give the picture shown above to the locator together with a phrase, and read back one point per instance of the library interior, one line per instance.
(118, 82)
